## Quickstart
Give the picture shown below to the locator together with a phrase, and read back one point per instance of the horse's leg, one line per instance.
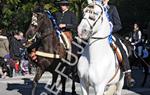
(99, 89)
(53, 84)
(74, 79)
(63, 81)
(84, 86)
(119, 85)
(83, 68)
(38, 75)
(73, 87)
(111, 90)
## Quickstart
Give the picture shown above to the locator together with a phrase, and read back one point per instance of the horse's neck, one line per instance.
(103, 29)
(99, 45)
(50, 42)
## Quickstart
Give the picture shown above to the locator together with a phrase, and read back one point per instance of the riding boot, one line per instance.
(130, 80)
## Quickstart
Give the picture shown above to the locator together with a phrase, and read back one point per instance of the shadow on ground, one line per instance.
(26, 88)
(138, 75)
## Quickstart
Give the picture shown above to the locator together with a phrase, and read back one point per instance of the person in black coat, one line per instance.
(114, 18)
(15, 46)
(66, 19)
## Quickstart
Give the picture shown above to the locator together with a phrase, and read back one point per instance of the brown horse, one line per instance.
(44, 39)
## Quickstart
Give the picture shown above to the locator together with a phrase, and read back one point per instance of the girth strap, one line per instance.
(117, 52)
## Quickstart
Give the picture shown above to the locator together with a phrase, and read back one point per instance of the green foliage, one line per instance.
(77, 6)
(16, 14)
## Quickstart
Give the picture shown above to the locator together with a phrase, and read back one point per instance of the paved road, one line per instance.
(21, 85)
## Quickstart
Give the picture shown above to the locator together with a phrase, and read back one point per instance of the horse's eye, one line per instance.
(95, 13)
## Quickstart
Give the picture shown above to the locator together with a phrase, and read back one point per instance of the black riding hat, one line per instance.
(64, 2)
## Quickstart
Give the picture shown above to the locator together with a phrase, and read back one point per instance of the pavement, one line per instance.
(22, 85)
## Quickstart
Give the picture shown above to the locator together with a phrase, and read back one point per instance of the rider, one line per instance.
(115, 20)
(136, 39)
(66, 19)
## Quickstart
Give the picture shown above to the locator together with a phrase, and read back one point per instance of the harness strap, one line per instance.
(117, 51)
(48, 55)
(34, 55)
(99, 37)
(114, 74)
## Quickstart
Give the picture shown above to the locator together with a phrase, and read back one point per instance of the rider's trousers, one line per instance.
(125, 64)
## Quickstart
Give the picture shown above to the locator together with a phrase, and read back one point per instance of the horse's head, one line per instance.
(40, 25)
(94, 23)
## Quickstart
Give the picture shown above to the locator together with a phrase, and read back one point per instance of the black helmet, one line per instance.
(64, 2)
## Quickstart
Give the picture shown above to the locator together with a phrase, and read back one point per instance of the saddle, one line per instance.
(66, 38)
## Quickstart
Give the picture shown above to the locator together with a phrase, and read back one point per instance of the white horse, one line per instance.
(98, 66)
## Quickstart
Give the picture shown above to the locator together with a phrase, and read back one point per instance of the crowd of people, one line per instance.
(13, 52)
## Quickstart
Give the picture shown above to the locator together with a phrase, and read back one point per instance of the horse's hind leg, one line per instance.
(63, 80)
(53, 84)
(73, 88)
(74, 79)
(110, 90)
(119, 86)
(38, 75)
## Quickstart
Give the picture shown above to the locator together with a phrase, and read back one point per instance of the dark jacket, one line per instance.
(136, 37)
(15, 47)
(114, 18)
(68, 18)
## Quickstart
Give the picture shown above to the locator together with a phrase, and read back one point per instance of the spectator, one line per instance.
(136, 39)
(4, 50)
(15, 47)
(4, 44)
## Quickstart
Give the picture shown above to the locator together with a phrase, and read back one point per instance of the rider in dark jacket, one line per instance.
(115, 20)
(66, 19)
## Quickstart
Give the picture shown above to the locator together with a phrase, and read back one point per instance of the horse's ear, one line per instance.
(89, 1)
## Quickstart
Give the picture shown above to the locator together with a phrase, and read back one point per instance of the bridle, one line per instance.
(37, 22)
(91, 26)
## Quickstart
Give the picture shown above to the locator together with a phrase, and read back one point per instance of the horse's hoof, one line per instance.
(74, 93)
(63, 93)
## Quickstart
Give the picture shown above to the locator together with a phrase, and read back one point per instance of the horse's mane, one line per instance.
(46, 22)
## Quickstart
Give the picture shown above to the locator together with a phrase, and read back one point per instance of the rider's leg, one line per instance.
(125, 63)
(140, 48)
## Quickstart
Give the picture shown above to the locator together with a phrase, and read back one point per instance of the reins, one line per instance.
(41, 53)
